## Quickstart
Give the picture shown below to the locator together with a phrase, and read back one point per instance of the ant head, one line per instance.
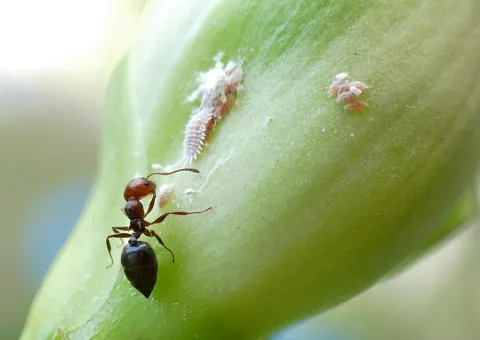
(138, 188)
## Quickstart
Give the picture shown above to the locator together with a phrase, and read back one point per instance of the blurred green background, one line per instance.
(55, 60)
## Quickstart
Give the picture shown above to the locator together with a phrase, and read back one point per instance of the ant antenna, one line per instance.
(172, 172)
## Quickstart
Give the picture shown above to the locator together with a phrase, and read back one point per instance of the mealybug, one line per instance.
(165, 192)
(217, 88)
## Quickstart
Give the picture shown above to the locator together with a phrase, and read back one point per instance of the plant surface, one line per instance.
(312, 204)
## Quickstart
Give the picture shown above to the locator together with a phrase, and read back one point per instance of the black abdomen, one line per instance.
(140, 266)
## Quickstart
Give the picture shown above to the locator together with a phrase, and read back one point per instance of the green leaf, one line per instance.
(311, 203)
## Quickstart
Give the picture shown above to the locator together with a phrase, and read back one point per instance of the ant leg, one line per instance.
(117, 230)
(164, 216)
(150, 205)
(109, 247)
(151, 233)
(172, 172)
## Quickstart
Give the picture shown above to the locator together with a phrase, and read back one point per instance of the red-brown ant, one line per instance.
(138, 258)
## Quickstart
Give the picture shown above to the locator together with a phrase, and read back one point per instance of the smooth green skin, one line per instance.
(302, 219)
(464, 214)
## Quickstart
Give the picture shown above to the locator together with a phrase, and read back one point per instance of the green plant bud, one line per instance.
(312, 202)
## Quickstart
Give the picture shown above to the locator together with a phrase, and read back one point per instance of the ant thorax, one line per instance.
(134, 209)
(137, 226)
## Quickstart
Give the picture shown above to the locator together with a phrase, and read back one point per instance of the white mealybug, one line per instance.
(359, 85)
(334, 87)
(216, 89)
(341, 76)
(165, 192)
(196, 132)
(347, 92)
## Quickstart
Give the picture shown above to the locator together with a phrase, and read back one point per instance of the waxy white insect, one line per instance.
(165, 192)
(216, 89)
(196, 132)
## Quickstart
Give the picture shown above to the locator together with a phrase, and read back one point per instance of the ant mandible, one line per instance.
(138, 258)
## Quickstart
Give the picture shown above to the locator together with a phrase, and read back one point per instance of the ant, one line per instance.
(138, 258)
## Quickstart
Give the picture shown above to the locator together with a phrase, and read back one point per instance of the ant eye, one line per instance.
(146, 184)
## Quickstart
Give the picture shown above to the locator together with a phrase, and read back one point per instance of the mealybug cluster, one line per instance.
(347, 92)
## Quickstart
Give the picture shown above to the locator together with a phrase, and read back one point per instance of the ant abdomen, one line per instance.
(140, 266)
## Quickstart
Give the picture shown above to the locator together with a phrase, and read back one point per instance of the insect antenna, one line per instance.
(172, 172)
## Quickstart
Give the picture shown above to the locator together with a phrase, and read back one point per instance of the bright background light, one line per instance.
(40, 35)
